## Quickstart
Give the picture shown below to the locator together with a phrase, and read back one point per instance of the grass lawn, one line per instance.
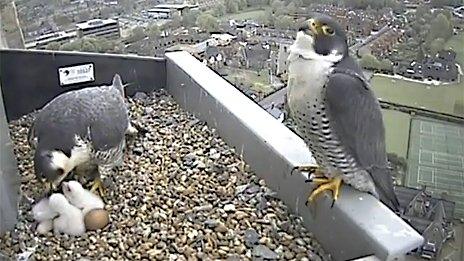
(396, 131)
(457, 44)
(257, 82)
(249, 14)
(446, 98)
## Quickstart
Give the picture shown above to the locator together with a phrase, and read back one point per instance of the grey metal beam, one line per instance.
(9, 176)
(357, 226)
(28, 86)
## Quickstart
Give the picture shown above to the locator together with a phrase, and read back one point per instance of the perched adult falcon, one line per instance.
(81, 129)
(336, 113)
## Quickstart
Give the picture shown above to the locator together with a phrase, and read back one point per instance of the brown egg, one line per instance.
(96, 219)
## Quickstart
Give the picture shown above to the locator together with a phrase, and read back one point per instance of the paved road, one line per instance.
(371, 38)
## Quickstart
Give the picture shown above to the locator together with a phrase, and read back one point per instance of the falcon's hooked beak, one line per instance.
(311, 27)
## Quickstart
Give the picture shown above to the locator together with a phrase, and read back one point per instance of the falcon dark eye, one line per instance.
(60, 171)
(328, 30)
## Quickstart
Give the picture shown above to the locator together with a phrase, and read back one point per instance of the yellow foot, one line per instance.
(97, 184)
(48, 188)
(312, 170)
(324, 184)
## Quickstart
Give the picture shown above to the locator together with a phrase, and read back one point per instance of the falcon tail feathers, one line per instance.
(384, 185)
(31, 136)
(117, 82)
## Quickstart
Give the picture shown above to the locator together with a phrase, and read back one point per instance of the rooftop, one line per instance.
(359, 224)
(95, 23)
(175, 6)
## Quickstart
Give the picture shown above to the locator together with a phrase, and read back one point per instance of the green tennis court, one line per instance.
(436, 159)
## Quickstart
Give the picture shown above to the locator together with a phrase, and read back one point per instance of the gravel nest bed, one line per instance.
(182, 194)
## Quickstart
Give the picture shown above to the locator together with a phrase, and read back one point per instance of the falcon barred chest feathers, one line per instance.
(336, 113)
(81, 128)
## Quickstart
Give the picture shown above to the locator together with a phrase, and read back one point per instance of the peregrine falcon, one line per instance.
(81, 128)
(336, 113)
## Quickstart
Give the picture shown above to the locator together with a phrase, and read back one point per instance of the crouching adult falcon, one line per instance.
(336, 113)
(79, 129)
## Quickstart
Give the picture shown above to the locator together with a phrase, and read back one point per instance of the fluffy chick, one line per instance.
(80, 197)
(42, 211)
(44, 215)
(45, 226)
(70, 220)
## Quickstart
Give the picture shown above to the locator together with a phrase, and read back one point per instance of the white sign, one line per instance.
(76, 74)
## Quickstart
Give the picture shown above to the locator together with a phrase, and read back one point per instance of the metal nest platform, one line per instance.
(357, 226)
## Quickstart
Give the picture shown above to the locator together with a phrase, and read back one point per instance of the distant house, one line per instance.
(213, 55)
(108, 28)
(282, 63)
(430, 216)
(42, 41)
(257, 56)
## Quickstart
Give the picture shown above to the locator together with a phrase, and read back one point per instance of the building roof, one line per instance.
(175, 6)
(159, 10)
(211, 51)
(95, 23)
(257, 52)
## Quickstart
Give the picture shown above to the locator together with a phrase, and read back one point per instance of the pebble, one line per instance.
(264, 252)
(181, 194)
(251, 237)
(229, 207)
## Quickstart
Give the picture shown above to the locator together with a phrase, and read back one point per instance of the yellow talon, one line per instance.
(97, 184)
(332, 184)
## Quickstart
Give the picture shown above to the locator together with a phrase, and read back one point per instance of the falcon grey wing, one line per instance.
(85, 126)
(336, 113)
(356, 119)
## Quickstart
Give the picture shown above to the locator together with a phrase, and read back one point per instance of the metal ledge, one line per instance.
(357, 226)
(9, 178)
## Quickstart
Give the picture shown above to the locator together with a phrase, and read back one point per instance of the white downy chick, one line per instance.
(70, 220)
(81, 198)
(45, 226)
(42, 211)
(44, 215)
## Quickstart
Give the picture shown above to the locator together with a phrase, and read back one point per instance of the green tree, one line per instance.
(369, 61)
(189, 18)
(242, 4)
(61, 19)
(153, 31)
(53, 46)
(278, 7)
(284, 22)
(176, 20)
(71, 46)
(207, 22)
(423, 11)
(263, 19)
(420, 54)
(291, 8)
(137, 34)
(386, 65)
(232, 6)
(437, 45)
(298, 3)
(220, 9)
(442, 3)
(106, 12)
(440, 28)
(88, 46)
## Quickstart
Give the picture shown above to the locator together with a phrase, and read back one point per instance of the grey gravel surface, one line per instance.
(182, 194)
